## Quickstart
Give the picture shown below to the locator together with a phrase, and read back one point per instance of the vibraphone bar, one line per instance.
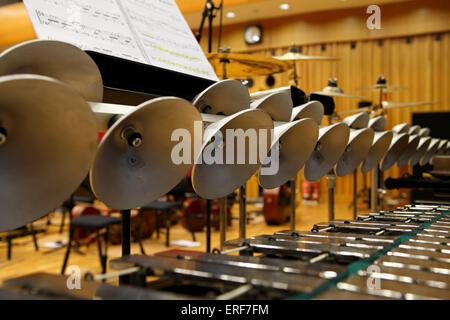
(400, 254)
(403, 254)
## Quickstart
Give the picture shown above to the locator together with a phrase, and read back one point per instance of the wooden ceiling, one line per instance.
(254, 10)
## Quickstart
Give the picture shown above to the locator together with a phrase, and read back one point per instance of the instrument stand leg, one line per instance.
(293, 183)
(208, 226)
(331, 184)
(381, 190)
(242, 212)
(208, 12)
(126, 240)
(295, 73)
(374, 190)
(223, 221)
(355, 194)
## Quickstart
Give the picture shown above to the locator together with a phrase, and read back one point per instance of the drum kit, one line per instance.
(46, 156)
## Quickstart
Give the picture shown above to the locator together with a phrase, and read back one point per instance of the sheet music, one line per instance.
(147, 31)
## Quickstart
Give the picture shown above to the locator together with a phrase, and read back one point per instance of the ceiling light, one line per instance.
(231, 15)
(284, 6)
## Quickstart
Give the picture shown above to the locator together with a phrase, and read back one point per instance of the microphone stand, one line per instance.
(208, 12)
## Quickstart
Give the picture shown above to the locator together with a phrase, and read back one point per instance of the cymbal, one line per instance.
(385, 88)
(337, 92)
(238, 65)
(363, 109)
(297, 56)
(382, 85)
(388, 105)
(216, 99)
(391, 104)
(126, 175)
(49, 142)
(221, 177)
(55, 59)
(332, 90)
(278, 105)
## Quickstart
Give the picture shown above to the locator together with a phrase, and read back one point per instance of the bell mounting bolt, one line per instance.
(134, 139)
(3, 135)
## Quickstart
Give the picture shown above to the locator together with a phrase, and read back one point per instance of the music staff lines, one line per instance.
(82, 29)
(152, 23)
(151, 6)
(155, 38)
(87, 9)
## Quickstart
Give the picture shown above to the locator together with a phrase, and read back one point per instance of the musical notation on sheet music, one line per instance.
(89, 9)
(82, 29)
(91, 25)
(147, 31)
(152, 22)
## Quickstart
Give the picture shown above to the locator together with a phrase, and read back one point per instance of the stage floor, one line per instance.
(26, 260)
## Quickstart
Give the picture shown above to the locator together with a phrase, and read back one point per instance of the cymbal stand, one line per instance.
(331, 184)
(242, 212)
(293, 183)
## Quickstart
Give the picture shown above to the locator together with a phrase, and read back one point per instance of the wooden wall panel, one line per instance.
(422, 66)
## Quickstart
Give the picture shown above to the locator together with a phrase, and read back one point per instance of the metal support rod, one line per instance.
(208, 226)
(242, 212)
(374, 190)
(293, 183)
(318, 258)
(93, 277)
(331, 184)
(223, 221)
(126, 232)
(211, 17)
(126, 241)
(355, 194)
(238, 249)
(382, 191)
(233, 294)
(295, 73)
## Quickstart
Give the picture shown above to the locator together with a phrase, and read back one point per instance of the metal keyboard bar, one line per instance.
(173, 267)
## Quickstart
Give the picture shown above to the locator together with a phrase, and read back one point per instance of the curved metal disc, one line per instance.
(401, 128)
(51, 142)
(277, 105)
(225, 97)
(238, 65)
(297, 141)
(126, 177)
(216, 180)
(398, 145)
(55, 59)
(380, 146)
(311, 109)
(332, 142)
(297, 56)
(414, 129)
(424, 132)
(358, 121)
(413, 142)
(442, 146)
(431, 151)
(378, 123)
(336, 92)
(358, 147)
(424, 143)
